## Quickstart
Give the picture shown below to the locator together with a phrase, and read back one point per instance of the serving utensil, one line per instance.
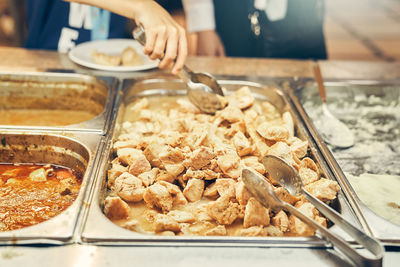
(202, 88)
(287, 176)
(332, 130)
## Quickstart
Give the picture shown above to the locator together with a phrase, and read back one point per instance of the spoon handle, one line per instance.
(337, 241)
(320, 81)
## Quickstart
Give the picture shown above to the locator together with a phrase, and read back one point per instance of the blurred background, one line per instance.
(354, 29)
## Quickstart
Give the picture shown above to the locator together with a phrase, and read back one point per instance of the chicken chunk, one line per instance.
(273, 132)
(252, 231)
(231, 114)
(157, 196)
(187, 106)
(172, 159)
(299, 148)
(194, 190)
(166, 223)
(211, 191)
(281, 221)
(308, 176)
(252, 162)
(284, 195)
(242, 194)
(206, 174)
(220, 230)
(223, 210)
(182, 216)
(152, 152)
(199, 158)
(139, 164)
(323, 189)
(148, 178)
(226, 187)
(242, 144)
(230, 164)
(242, 98)
(115, 171)
(176, 193)
(201, 213)
(129, 187)
(115, 208)
(255, 214)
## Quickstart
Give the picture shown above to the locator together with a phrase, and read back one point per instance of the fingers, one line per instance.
(182, 52)
(171, 49)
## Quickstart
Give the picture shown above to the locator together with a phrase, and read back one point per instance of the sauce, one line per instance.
(33, 193)
(43, 117)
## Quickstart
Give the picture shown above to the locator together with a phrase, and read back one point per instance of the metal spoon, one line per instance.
(202, 88)
(287, 176)
(332, 130)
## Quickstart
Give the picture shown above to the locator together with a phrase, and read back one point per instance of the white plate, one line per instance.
(81, 54)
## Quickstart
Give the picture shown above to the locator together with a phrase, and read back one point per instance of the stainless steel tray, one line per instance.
(371, 109)
(59, 91)
(100, 230)
(74, 150)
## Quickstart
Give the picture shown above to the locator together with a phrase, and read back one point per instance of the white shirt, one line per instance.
(200, 13)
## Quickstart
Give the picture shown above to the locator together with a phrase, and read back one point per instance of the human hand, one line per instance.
(209, 44)
(163, 35)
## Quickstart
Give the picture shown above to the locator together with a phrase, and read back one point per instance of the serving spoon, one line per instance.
(202, 88)
(332, 130)
(287, 176)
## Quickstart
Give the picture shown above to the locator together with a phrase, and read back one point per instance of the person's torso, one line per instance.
(59, 25)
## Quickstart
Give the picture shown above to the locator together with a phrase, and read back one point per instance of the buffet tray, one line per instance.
(77, 151)
(100, 230)
(371, 110)
(59, 91)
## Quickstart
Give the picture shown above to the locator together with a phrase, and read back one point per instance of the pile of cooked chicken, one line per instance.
(177, 171)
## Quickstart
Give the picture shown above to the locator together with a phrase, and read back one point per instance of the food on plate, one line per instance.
(177, 171)
(33, 193)
(128, 57)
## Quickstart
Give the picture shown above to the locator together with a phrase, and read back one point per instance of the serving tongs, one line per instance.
(288, 178)
(202, 88)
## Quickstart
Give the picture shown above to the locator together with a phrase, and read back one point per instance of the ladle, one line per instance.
(202, 88)
(332, 130)
(287, 176)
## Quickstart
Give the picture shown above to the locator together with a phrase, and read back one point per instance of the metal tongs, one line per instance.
(202, 88)
(288, 178)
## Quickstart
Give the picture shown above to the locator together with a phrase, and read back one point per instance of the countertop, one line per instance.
(18, 59)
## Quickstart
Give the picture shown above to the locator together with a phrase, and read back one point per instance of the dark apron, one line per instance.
(299, 35)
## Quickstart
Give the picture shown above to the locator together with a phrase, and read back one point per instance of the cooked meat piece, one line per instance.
(272, 230)
(130, 57)
(230, 164)
(181, 216)
(288, 120)
(172, 159)
(273, 132)
(255, 214)
(167, 233)
(252, 162)
(261, 148)
(323, 189)
(231, 114)
(131, 143)
(309, 164)
(223, 210)
(242, 194)
(270, 111)
(220, 230)
(104, 59)
(152, 152)
(252, 231)
(242, 98)
(297, 226)
(226, 187)
(201, 213)
(284, 195)
(139, 163)
(242, 145)
(282, 150)
(129, 187)
(172, 138)
(200, 158)
(299, 148)
(115, 171)
(235, 128)
(148, 178)
(211, 191)
(163, 175)
(158, 196)
(198, 228)
(187, 107)
(307, 175)
(201, 174)
(281, 221)
(194, 190)
(115, 208)
(128, 156)
(166, 223)
(175, 191)
(38, 175)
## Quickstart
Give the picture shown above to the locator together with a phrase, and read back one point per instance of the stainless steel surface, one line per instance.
(202, 88)
(74, 150)
(331, 129)
(26, 90)
(288, 177)
(363, 105)
(99, 230)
